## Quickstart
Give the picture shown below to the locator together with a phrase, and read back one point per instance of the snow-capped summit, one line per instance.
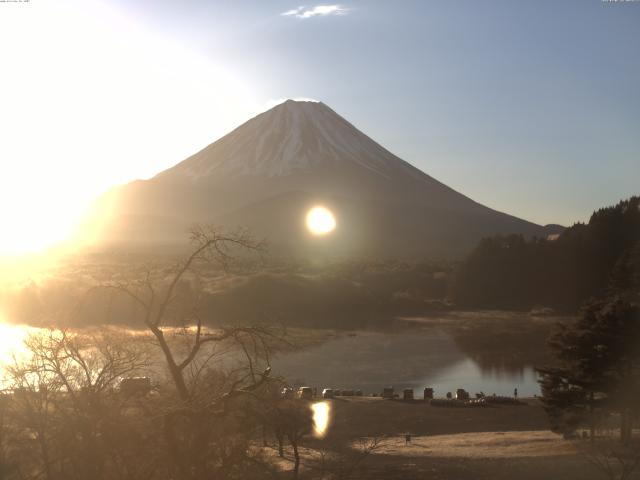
(293, 136)
(268, 172)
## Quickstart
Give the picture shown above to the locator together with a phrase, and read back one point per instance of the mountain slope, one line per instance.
(265, 175)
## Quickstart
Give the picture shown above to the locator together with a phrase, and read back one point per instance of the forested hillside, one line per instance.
(511, 272)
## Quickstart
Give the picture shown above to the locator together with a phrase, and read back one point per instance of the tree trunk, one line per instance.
(625, 426)
(174, 447)
(280, 439)
(44, 452)
(592, 420)
(174, 370)
(296, 456)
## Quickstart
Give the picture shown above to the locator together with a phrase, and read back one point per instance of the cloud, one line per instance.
(318, 10)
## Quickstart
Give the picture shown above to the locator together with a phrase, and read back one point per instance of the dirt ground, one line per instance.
(502, 442)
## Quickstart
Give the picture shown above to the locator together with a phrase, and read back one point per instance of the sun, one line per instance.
(320, 221)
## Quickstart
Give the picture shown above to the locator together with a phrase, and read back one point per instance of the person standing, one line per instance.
(515, 392)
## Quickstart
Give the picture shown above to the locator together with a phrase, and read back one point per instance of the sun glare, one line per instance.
(320, 221)
(11, 341)
(321, 416)
(110, 110)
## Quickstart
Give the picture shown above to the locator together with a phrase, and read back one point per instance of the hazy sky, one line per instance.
(532, 107)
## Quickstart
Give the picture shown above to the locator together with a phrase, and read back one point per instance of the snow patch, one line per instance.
(292, 136)
(274, 102)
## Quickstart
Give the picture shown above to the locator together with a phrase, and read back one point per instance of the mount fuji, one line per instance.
(268, 172)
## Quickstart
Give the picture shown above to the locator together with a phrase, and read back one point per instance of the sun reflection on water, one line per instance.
(321, 417)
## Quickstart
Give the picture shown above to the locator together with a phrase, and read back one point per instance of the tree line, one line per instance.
(590, 387)
(563, 272)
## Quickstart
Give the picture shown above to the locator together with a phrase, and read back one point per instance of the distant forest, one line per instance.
(501, 273)
(344, 294)
(583, 262)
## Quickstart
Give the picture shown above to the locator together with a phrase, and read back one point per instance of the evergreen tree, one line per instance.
(597, 369)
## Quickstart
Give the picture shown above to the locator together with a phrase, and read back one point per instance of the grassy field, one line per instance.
(505, 442)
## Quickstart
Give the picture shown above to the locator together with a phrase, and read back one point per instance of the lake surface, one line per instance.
(370, 361)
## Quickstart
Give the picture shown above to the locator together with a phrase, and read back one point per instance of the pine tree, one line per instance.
(597, 369)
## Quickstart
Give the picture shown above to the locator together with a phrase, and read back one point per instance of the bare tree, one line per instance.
(6, 440)
(70, 420)
(205, 400)
(66, 406)
(615, 460)
(350, 462)
(290, 419)
(155, 298)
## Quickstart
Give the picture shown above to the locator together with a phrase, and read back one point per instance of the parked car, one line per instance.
(387, 392)
(135, 385)
(305, 393)
(462, 394)
(407, 394)
(327, 393)
(287, 392)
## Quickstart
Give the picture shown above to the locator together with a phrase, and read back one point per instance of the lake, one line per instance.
(490, 353)
(370, 361)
